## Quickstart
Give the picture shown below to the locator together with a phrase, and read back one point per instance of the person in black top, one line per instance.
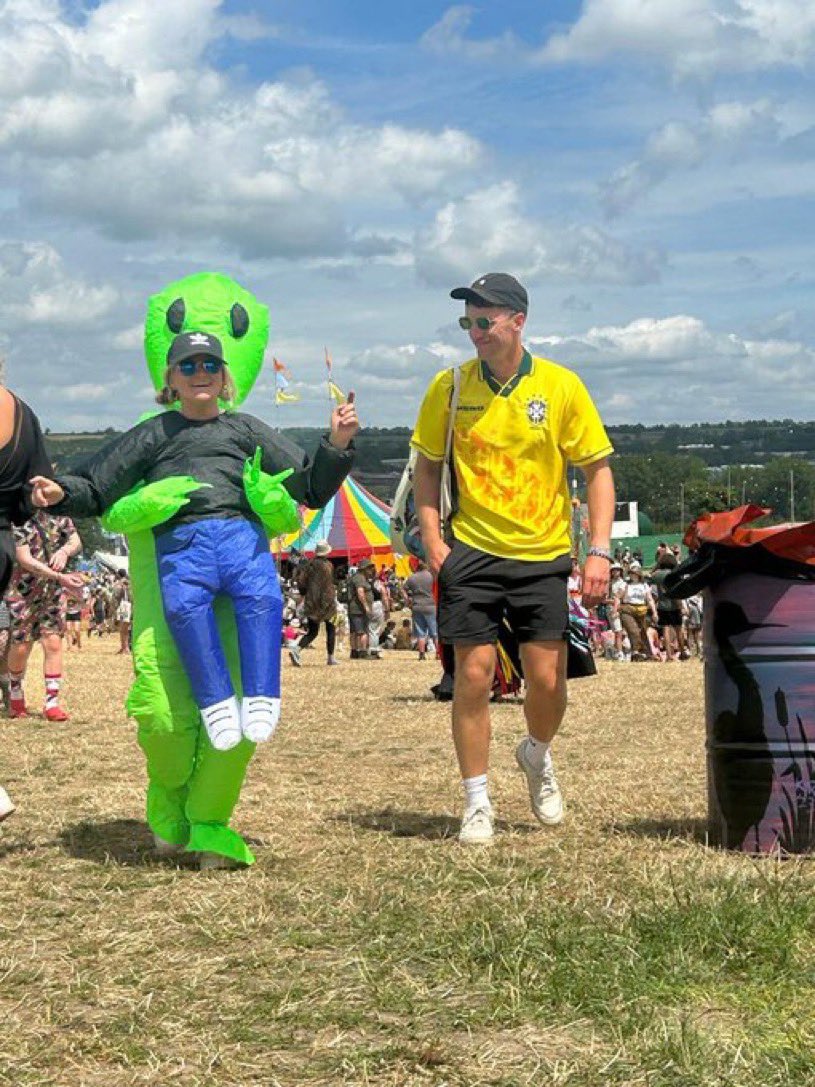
(215, 544)
(22, 455)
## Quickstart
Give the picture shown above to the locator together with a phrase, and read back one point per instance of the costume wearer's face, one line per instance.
(501, 338)
(198, 388)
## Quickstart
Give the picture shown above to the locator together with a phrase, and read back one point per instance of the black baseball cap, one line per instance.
(188, 344)
(495, 289)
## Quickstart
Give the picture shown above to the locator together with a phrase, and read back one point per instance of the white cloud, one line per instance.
(676, 368)
(449, 36)
(121, 123)
(36, 289)
(487, 230)
(691, 37)
(728, 130)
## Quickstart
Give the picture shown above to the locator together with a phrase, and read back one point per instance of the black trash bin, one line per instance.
(759, 645)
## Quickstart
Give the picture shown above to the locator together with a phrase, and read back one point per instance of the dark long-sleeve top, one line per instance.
(21, 458)
(213, 451)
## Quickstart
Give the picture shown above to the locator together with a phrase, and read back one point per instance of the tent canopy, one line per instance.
(355, 523)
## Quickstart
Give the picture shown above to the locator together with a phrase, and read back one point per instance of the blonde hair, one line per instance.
(168, 395)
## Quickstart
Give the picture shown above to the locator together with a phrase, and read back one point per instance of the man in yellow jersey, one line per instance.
(519, 421)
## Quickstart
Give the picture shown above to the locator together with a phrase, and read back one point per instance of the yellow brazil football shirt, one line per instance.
(511, 446)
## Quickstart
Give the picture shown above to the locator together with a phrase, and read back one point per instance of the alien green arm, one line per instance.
(268, 497)
(150, 505)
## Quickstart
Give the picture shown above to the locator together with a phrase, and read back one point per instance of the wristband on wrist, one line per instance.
(600, 553)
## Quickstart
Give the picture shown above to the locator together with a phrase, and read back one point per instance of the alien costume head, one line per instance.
(208, 302)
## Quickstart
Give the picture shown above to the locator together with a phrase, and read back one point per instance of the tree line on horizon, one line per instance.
(675, 472)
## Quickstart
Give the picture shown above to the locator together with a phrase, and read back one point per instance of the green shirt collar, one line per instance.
(504, 390)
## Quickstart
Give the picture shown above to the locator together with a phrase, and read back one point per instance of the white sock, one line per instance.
(223, 723)
(475, 792)
(536, 752)
(259, 717)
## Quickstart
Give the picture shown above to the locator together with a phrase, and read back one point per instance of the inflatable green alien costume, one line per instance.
(193, 788)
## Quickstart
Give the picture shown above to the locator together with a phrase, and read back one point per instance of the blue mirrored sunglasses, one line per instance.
(210, 366)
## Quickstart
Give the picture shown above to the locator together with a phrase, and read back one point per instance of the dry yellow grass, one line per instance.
(366, 946)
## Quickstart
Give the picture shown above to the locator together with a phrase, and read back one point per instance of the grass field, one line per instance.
(366, 946)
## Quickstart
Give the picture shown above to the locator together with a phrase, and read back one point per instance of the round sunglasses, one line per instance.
(190, 366)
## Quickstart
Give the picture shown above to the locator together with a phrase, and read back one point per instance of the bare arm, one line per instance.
(27, 562)
(427, 493)
(600, 494)
(361, 598)
(71, 547)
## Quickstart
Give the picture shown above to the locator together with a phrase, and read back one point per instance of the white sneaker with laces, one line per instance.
(259, 717)
(544, 791)
(222, 721)
(476, 826)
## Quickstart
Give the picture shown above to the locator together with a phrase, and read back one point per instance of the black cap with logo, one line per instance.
(189, 344)
(495, 289)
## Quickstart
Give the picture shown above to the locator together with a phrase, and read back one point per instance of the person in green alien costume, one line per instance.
(198, 489)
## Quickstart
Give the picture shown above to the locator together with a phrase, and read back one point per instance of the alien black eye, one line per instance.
(175, 315)
(240, 320)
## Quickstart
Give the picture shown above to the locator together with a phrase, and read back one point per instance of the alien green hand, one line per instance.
(269, 498)
(150, 505)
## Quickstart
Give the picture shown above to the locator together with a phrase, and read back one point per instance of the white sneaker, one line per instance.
(544, 791)
(476, 827)
(259, 717)
(6, 805)
(222, 721)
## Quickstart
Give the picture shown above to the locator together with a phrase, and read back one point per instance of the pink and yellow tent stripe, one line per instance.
(355, 523)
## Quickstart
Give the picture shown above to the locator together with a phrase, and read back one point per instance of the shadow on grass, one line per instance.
(17, 847)
(428, 697)
(413, 824)
(689, 830)
(128, 842)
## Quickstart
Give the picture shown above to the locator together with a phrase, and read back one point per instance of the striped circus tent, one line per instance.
(354, 522)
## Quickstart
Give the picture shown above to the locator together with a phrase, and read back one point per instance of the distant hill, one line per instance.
(674, 472)
(382, 451)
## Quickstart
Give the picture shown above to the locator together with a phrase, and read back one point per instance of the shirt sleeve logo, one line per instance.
(536, 411)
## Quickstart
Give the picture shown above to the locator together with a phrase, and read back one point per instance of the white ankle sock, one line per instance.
(475, 792)
(223, 723)
(259, 717)
(536, 752)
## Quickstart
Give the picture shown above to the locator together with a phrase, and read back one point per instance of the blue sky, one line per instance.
(644, 166)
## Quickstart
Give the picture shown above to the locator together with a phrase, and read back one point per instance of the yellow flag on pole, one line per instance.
(336, 393)
(282, 397)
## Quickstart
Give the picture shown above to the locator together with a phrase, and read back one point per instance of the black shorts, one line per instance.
(477, 590)
(357, 624)
(668, 617)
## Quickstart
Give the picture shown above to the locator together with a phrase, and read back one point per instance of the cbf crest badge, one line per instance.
(536, 411)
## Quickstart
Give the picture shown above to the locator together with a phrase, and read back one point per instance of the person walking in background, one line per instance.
(636, 604)
(360, 607)
(669, 611)
(22, 455)
(380, 610)
(519, 421)
(36, 599)
(124, 618)
(418, 588)
(73, 620)
(315, 580)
